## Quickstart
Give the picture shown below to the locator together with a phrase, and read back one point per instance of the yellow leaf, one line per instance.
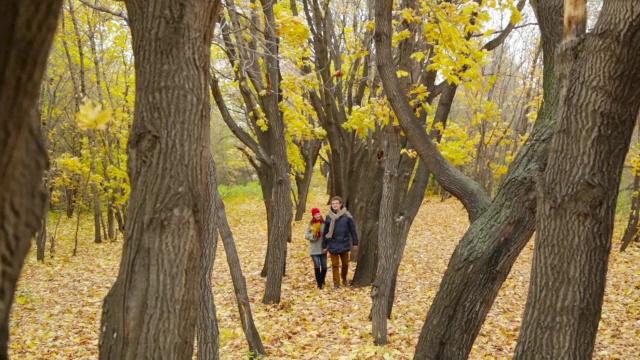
(92, 116)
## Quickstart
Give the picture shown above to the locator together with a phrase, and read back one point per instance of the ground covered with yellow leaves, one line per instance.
(58, 303)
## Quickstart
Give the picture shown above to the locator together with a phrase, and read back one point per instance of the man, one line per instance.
(339, 226)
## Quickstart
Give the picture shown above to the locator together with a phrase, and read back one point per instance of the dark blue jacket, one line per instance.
(339, 243)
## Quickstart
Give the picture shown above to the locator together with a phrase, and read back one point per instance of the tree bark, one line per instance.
(599, 102)
(310, 151)
(631, 232)
(239, 283)
(208, 334)
(486, 253)
(152, 309)
(26, 33)
(281, 207)
(41, 238)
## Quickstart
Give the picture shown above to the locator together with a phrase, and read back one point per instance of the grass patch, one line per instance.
(249, 191)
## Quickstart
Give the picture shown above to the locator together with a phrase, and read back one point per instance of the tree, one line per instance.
(26, 33)
(239, 283)
(631, 232)
(474, 199)
(169, 156)
(599, 102)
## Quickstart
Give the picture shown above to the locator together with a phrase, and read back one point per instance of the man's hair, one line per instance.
(336, 198)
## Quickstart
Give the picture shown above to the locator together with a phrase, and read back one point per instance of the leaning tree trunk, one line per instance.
(600, 99)
(483, 258)
(631, 232)
(151, 310)
(486, 253)
(26, 32)
(239, 283)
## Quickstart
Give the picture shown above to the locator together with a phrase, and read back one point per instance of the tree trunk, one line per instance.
(281, 207)
(303, 182)
(208, 333)
(483, 258)
(239, 283)
(631, 232)
(600, 99)
(366, 210)
(152, 309)
(97, 214)
(70, 195)
(41, 238)
(26, 33)
(400, 203)
(111, 222)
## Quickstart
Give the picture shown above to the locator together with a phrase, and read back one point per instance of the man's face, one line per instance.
(336, 205)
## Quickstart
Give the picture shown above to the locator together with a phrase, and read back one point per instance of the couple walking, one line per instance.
(331, 236)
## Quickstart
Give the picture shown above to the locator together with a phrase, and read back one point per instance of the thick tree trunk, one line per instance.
(26, 32)
(208, 333)
(152, 309)
(400, 203)
(239, 283)
(483, 258)
(366, 211)
(600, 99)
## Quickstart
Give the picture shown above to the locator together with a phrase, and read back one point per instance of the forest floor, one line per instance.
(58, 303)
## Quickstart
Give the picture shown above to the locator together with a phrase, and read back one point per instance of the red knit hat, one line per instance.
(315, 211)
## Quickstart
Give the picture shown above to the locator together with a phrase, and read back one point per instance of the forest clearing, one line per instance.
(58, 303)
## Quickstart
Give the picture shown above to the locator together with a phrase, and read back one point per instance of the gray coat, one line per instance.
(315, 243)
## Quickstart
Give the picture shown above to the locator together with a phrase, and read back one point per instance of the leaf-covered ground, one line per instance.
(58, 303)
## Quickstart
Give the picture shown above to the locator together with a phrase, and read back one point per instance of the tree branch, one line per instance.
(242, 135)
(498, 40)
(103, 9)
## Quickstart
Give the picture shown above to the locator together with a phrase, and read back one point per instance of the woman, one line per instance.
(339, 228)
(314, 235)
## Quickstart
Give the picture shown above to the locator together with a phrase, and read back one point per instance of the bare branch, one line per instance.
(498, 40)
(103, 9)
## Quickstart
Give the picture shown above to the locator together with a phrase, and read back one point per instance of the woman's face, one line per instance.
(336, 205)
(317, 216)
